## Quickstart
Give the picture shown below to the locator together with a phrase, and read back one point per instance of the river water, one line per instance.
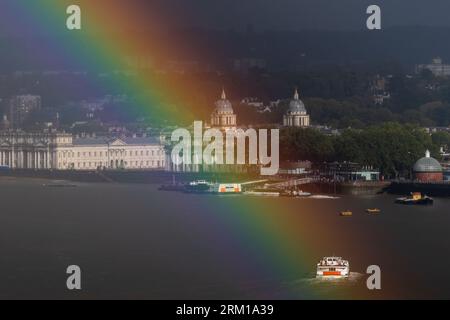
(133, 241)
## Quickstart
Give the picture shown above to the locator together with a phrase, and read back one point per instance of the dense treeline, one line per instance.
(338, 96)
(343, 98)
(391, 147)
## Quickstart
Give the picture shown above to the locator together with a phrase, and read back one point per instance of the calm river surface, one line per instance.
(133, 241)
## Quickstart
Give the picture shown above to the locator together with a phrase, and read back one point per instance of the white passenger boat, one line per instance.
(229, 188)
(333, 267)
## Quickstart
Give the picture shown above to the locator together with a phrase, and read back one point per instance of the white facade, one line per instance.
(61, 151)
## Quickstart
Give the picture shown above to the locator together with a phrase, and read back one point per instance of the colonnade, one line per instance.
(25, 159)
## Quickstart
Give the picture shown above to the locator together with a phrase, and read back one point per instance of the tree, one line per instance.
(305, 144)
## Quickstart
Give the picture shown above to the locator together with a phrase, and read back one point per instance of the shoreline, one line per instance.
(166, 177)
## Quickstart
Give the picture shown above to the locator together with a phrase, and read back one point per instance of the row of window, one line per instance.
(71, 154)
(131, 164)
(228, 120)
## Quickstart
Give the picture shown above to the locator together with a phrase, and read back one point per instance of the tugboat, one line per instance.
(346, 213)
(416, 198)
(333, 267)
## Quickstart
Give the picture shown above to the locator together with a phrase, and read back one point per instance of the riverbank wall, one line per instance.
(126, 176)
(431, 189)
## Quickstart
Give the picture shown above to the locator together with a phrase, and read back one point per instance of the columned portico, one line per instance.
(20, 150)
(61, 151)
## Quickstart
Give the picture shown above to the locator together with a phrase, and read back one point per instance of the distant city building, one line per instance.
(378, 88)
(428, 169)
(223, 116)
(20, 108)
(349, 171)
(296, 115)
(326, 130)
(379, 99)
(295, 167)
(252, 101)
(257, 104)
(431, 130)
(62, 151)
(436, 67)
(274, 104)
(379, 84)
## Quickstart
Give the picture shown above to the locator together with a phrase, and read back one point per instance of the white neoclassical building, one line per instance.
(62, 151)
(296, 115)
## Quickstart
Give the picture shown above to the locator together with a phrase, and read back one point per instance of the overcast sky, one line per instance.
(310, 14)
(264, 14)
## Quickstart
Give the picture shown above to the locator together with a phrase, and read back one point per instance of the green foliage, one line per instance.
(392, 147)
(305, 144)
(441, 139)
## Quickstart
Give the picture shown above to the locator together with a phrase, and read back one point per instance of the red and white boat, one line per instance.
(333, 267)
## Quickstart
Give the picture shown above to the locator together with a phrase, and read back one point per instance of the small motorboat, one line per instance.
(302, 194)
(416, 198)
(347, 213)
(198, 186)
(373, 210)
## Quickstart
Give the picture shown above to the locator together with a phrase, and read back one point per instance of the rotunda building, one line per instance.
(428, 169)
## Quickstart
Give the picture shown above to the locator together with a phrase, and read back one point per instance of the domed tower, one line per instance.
(428, 169)
(223, 115)
(296, 115)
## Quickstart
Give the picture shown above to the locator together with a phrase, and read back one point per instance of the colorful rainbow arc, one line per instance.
(283, 243)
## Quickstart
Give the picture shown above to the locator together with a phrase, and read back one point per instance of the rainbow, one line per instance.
(285, 240)
(156, 99)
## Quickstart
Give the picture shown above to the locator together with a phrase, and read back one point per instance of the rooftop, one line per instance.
(87, 141)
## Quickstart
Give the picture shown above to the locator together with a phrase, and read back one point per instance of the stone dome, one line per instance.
(296, 106)
(427, 164)
(223, 105)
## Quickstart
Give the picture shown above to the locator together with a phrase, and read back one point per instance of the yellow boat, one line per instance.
(373, 210)
(346, 213)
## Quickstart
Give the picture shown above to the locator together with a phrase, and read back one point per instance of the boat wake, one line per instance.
(311, 280)
(332, 288)
(320, 196)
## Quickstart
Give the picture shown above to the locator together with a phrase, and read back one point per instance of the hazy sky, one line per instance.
(311, 14)
(267, 14)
